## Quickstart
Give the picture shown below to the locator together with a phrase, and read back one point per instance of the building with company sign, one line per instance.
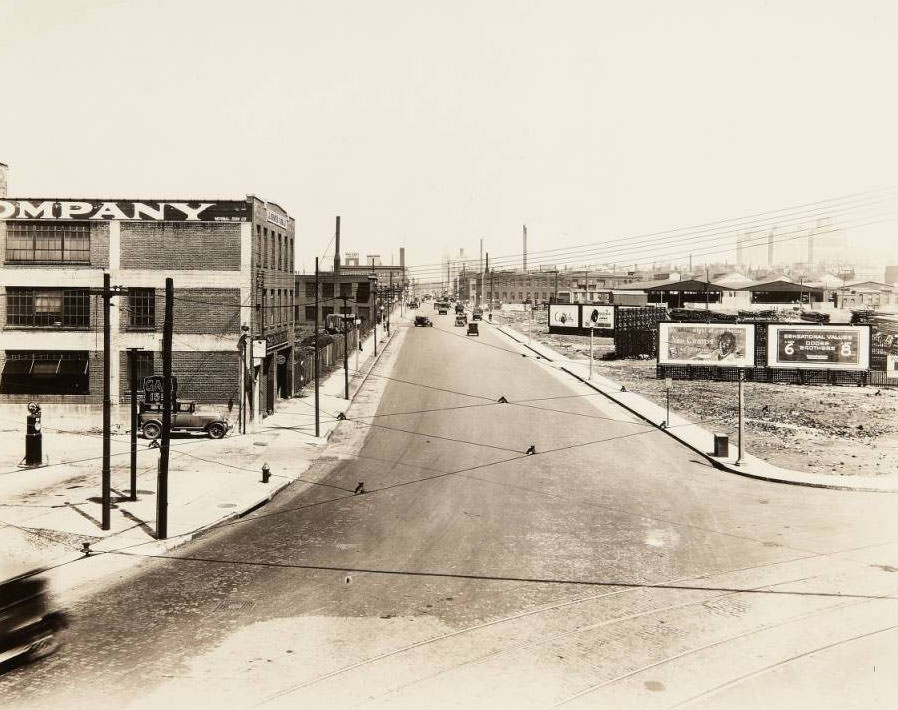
(232, 266)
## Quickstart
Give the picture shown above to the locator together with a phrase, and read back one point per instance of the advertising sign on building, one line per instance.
(153, 389)
(125, 210)
(564, 316)
(597, 317)
(833, 347)
(716, 344)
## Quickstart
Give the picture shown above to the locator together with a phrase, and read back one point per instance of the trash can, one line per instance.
(721, 445)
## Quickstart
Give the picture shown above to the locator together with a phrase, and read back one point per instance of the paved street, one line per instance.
(613, 568)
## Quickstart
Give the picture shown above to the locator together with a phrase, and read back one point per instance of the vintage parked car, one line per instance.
(423, 321)
(473, 329)
(184, 417)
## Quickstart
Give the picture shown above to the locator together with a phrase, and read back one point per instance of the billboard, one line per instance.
(832, 347)
(716, 344)
(564, 316)
(597, 316)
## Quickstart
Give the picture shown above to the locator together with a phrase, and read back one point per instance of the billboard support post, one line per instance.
(741, 417)
(590, 352)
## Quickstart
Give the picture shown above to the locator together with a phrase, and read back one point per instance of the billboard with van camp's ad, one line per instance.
(715, 344)
(564, 316)
(829, 347)
(601, 317)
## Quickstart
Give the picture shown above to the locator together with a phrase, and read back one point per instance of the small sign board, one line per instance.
(153, 389)
(668, 383)
(260, 348)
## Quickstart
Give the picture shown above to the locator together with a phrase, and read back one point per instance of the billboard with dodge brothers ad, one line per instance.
(845, 347)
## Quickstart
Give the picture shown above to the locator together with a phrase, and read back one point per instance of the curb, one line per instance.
(716, 463)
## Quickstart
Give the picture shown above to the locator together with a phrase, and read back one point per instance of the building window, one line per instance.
(363, 292)
(142, 308)
(47, 308)
(45, 372)
(143, 366)
(328, 291)
(47, 242)
(326, 311)
(310, 289)
(345, 290)
(259, 251)
(310, 313)
(266, 261)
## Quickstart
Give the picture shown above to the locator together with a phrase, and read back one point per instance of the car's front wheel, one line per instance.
(152, 430)
(217, 430)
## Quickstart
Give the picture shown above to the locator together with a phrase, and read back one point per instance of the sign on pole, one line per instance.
(827, 347)
(152, 389)
(714, 344)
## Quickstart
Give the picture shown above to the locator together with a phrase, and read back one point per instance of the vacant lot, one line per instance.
(837, 430)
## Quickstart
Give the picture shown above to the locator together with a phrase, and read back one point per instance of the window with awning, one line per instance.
(45, 372)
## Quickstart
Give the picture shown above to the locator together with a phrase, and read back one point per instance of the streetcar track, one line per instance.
(532, 612)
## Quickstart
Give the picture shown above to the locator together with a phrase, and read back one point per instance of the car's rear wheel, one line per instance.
(216, 431)
(151, 430)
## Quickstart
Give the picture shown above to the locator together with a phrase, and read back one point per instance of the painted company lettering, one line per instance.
(127, 210)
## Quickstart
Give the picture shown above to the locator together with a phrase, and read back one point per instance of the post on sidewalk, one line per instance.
(668, 385)
(162, 480)
(315, 364)
(389, 304)
(345, 347)
(132, 368)
(741, 417)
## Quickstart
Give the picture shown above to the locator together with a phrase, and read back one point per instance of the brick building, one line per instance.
(575, 286)
(232, 266)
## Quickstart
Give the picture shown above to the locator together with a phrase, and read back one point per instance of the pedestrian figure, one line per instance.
(359, 488)
(531, 450)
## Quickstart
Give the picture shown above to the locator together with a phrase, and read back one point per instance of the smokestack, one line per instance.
(525, 248)
(4, 172)
(337, 248)
(402, 258)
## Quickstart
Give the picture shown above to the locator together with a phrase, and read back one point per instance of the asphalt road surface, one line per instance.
(613, 568)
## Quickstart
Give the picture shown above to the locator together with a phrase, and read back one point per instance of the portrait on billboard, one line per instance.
(829, 347)
(564, 316)
(597, 316)
(717, 344)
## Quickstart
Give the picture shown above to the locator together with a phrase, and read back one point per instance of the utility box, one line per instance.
(721, 445)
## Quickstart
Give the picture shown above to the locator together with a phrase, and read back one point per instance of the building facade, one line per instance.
(231, 263)
(538, 287)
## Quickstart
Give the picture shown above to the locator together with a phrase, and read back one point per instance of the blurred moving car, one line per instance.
(461, 320)
(423, 321)
(473, 329)
(28, 628)
(184, 417)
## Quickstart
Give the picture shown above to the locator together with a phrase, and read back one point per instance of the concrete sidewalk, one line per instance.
(690, 433)
(47, 513)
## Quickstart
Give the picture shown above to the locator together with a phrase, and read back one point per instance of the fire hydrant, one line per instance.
(266, 473)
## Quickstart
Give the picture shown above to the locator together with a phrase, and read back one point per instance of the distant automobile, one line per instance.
(478, 314)
(423, 322)
(473, 329)
(461, 320)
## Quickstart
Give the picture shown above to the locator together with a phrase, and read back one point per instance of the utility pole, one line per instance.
(346, 347)
(317, 415)
(374, 314)
(741, 417)
(162, 482)
(707, 286)
(107, 346)
(590, 349)
(132, 365)
(389, 304)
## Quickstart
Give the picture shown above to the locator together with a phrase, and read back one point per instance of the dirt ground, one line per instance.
(841, 431)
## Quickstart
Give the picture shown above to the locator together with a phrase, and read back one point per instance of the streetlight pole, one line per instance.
(590, 350)
(132, 362)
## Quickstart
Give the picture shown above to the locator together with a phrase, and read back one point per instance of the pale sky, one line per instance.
(435, 124)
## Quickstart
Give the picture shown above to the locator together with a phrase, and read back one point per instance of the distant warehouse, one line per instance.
(232, 266)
